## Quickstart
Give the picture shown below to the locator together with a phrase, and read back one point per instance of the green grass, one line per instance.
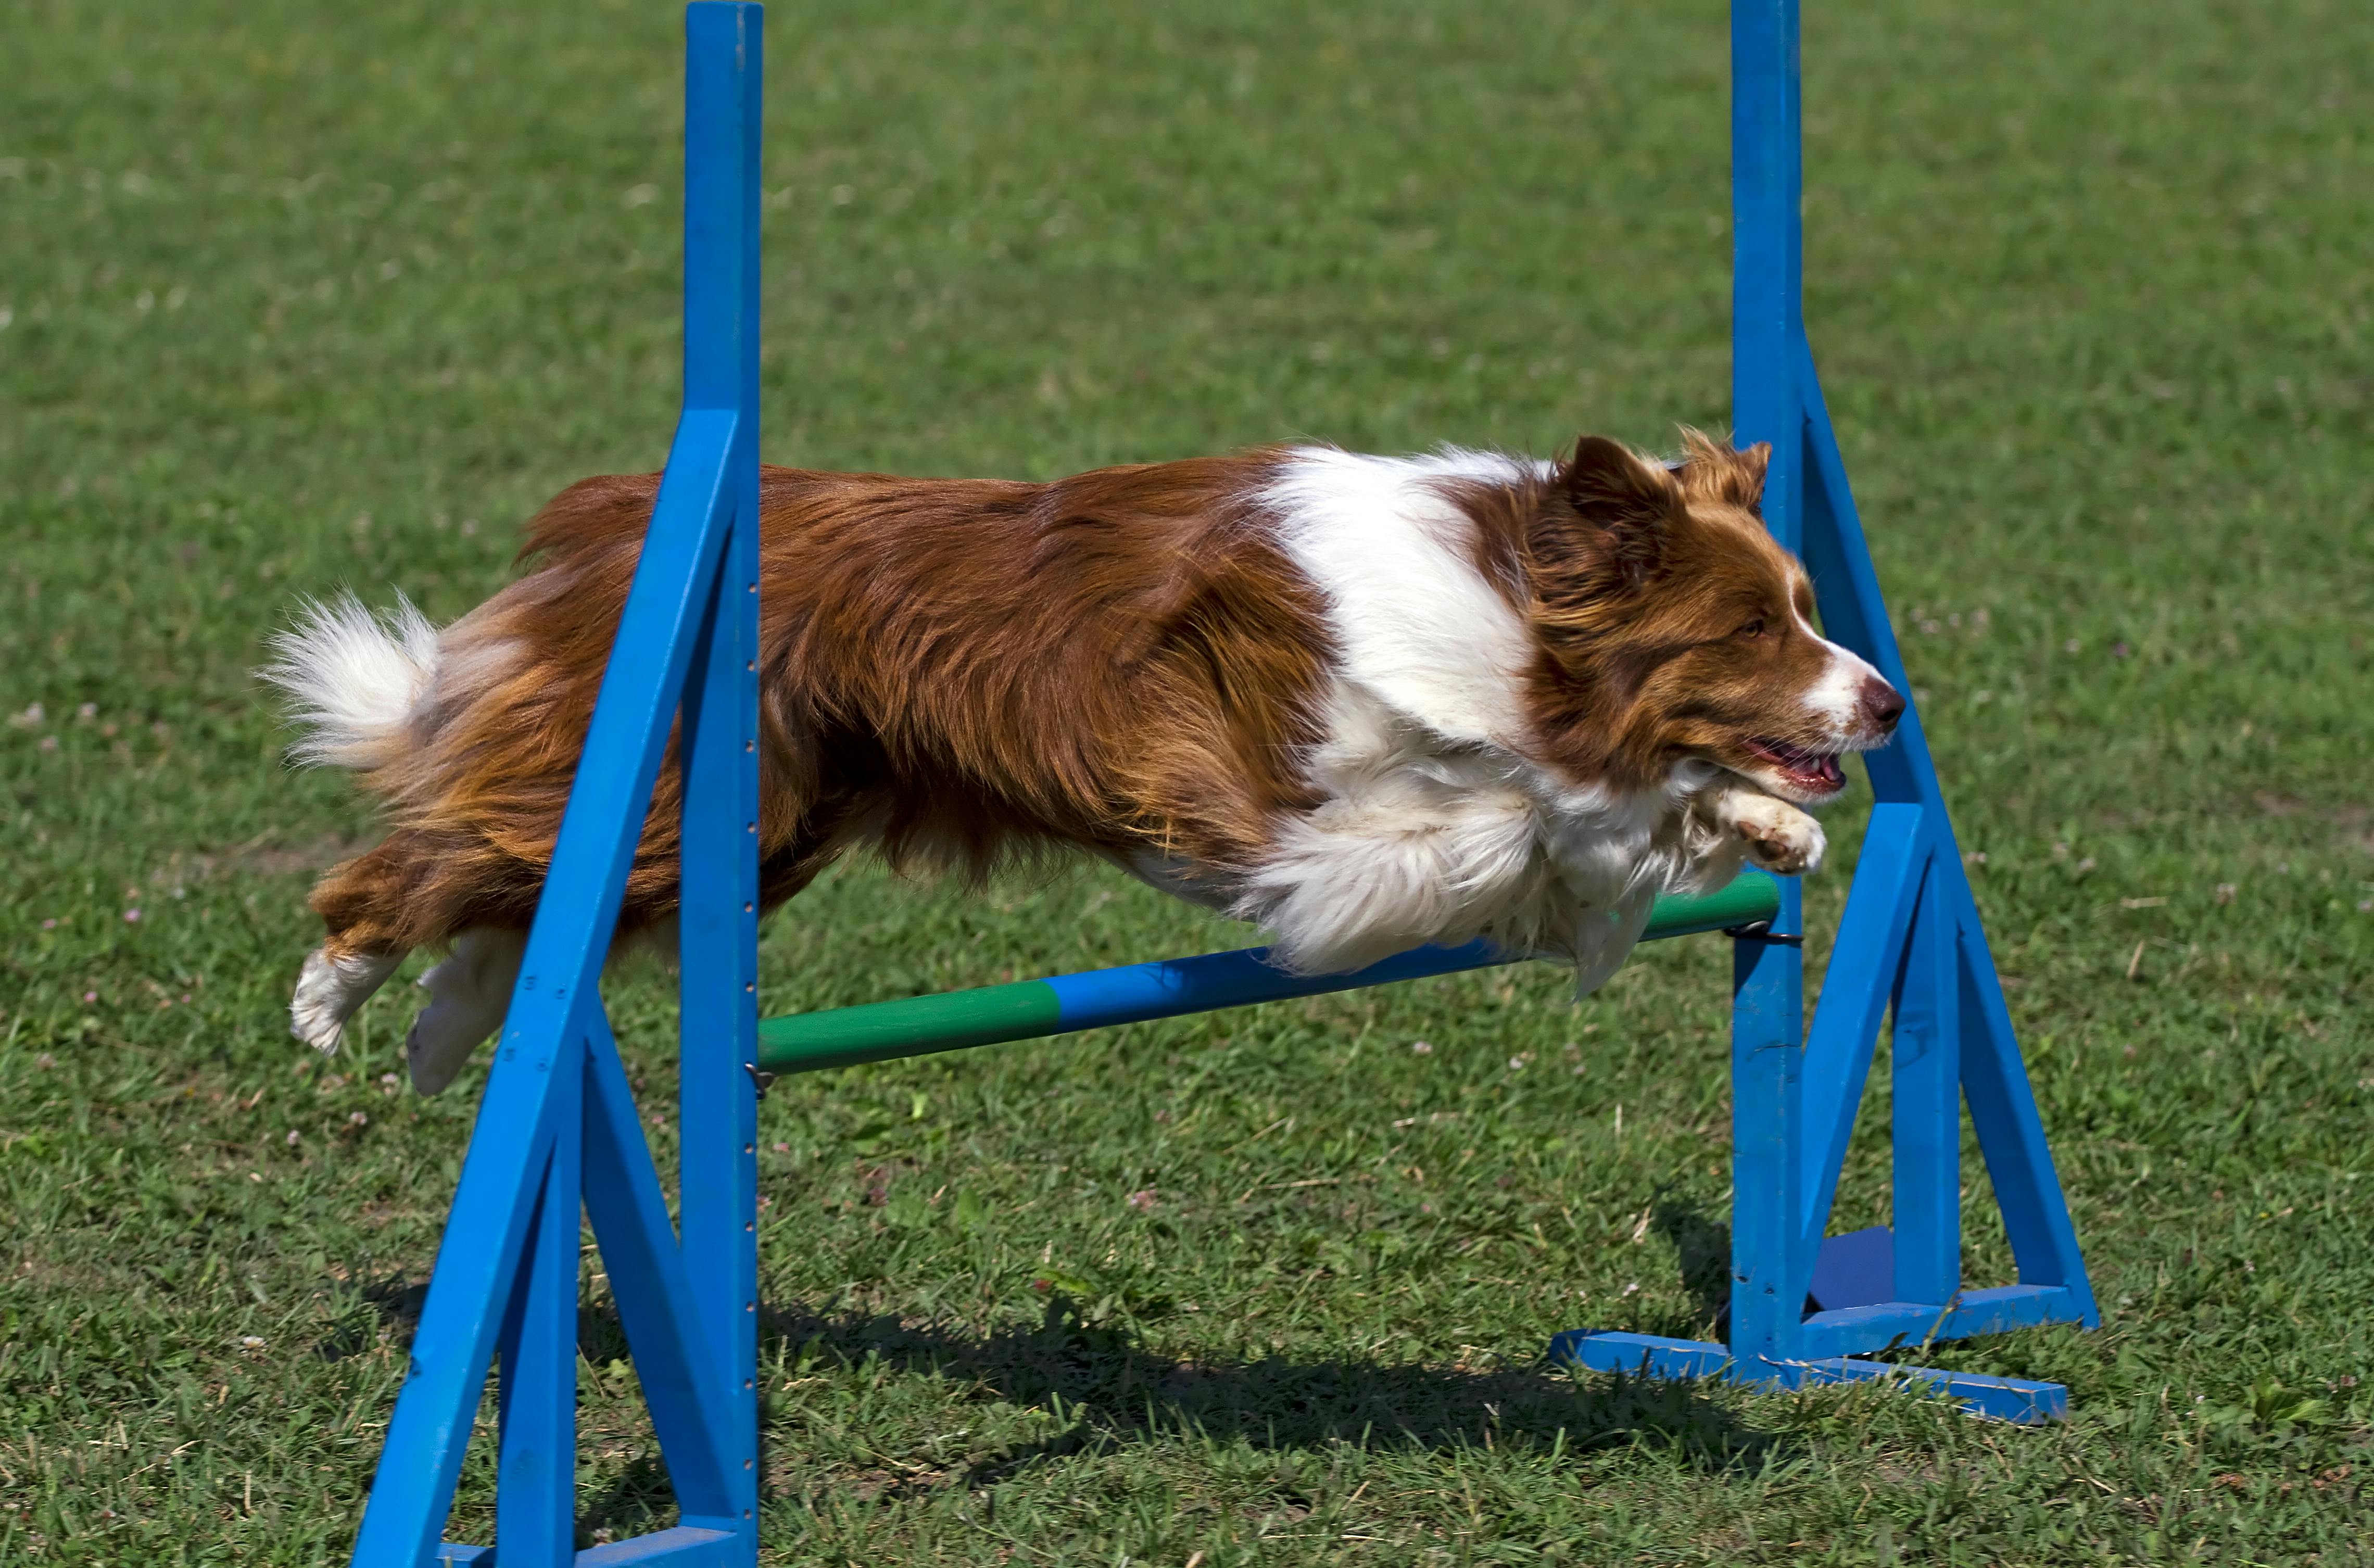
(293, 297)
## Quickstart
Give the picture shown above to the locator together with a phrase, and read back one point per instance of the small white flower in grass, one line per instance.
(1516, 1064)
(31, 716)
(250, 1342)
(782, 1148)
(1632, 1289)
(1421, 1048)
(356, 1118)
(87, 711)
(388, 1079)
(132, 916)
(293, 1139)
(90, 996)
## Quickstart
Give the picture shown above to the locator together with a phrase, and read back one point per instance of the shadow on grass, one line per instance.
(1114, 1392)
(1110, 1391)
(1703, 1243)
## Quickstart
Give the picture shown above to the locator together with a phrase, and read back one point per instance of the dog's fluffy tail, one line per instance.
(353, 679)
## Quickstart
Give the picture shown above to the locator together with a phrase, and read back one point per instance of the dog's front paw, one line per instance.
(1779, 837)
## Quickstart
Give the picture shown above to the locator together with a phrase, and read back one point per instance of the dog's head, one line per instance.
(1672, 629)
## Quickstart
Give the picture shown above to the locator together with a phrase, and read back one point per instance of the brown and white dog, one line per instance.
(1363, 702)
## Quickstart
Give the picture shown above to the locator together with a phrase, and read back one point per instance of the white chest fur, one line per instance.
(1435, 826)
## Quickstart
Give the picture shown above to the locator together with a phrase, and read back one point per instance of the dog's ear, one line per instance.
(1627, 501)
(1715, 471)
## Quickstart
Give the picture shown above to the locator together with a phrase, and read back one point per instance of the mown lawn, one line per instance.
(292, 297)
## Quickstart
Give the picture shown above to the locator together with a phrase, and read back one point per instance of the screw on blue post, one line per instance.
(1910, 940)
(558, 1125)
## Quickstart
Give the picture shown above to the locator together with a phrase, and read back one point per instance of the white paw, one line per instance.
(328, 991)
(1778, 836)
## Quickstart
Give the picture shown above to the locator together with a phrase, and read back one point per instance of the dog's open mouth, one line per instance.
(1813, 772)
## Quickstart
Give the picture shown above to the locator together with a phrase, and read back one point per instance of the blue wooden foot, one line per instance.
(686, 1545)
(1650, 1355)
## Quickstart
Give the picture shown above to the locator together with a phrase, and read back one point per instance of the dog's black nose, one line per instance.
(1882, 706)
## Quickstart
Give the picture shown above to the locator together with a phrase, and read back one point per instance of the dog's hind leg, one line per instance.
(379, 906)
(335, 982)
(468, 994)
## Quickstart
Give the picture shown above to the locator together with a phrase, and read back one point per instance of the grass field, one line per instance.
(298, 295)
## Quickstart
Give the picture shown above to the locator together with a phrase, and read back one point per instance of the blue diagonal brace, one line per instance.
(2010, 1130)
(675, 1361)
(1845, 588)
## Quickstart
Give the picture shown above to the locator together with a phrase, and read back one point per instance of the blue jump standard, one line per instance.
(559, 1128)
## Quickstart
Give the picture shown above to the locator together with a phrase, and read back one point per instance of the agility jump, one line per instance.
(558, 1126)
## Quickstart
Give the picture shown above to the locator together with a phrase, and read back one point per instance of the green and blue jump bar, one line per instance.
(1174, 988)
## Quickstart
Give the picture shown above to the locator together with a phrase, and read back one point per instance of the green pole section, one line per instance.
(879, 1030)
(1030, 1009)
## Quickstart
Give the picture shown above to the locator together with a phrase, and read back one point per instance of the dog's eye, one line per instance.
(1751, 631)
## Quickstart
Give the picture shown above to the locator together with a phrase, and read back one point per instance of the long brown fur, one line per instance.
(966, 670)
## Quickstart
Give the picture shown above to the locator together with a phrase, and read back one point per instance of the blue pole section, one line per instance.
(1137, 992)
(718, 1025)
(1770, 1258)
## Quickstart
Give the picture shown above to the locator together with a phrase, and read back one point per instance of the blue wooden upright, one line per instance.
(1909, 950)
(558, 1138)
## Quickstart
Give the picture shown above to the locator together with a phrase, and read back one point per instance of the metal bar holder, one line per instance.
(558, 1138)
